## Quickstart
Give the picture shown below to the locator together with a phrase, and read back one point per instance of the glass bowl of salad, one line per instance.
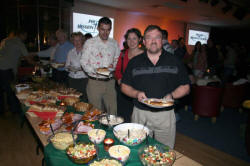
(81, 153)
(156, 155)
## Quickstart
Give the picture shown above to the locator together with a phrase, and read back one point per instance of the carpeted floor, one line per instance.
(227, 134)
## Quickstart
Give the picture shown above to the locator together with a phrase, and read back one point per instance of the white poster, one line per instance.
(88, 24)
(194, 36)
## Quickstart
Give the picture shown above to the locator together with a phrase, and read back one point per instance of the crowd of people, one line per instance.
(149, 66)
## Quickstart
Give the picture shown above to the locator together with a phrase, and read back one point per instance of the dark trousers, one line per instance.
(6, 78)
(80, 85)
(124, 105)
(60, 76)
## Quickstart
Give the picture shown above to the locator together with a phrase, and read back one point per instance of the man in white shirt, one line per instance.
(98, 52)
(77, 77)
(50, 52)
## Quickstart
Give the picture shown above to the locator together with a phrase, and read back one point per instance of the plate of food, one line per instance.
(104, 71)
(57, 65)
(110, 120)
(74, 69)
(158, 103)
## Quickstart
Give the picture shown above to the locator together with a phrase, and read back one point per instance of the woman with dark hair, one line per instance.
(124, 103)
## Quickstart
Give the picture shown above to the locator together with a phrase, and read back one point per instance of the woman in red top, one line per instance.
(124, 103)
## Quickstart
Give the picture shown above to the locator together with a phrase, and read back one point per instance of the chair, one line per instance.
(233, 95)
(206, 101)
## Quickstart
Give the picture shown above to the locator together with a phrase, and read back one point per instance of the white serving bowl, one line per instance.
(96, 135)
(137, 133)
(119, 152)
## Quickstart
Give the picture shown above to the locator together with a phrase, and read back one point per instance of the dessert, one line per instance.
(82, 107)
(91, 115)
(44, 126)
(70, 100)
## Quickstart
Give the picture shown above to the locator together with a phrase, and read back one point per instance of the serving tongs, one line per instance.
(72, 131)
(108, 119)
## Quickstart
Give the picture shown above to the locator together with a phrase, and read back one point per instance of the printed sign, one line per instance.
(88, 24)
(195, 36)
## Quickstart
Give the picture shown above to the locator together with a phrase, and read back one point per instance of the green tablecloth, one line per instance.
(54, 157)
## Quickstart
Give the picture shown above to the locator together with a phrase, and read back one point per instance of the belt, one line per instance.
(100, 79)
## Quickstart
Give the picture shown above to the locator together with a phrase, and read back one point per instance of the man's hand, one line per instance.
(168, 97)
(140, 96)
(119, 81)
(110, 66)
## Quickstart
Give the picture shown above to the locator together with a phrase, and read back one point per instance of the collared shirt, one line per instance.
(13, 49)
(50, 52)
(98, 54)
(155, 80)
(73, 60)
(62, 52)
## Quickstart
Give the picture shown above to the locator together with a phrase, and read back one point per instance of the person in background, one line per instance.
(59, 74)
(166, 45)
(229, 62)
(182, 44)
(99, 52)
(10, 35)
(155, 74)
(50, 52)
(11, 52)
(199, 59)
(125, 103)
(178, 52)
(77, 78)
(87, 36)
(212, 57)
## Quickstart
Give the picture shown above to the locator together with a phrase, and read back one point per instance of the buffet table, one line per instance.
(54, 157)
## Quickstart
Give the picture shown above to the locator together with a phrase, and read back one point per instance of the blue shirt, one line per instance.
(62, 52)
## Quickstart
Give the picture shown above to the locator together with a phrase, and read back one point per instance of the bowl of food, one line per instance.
(119, 152)
(156, 155)
(62, 140)
(106, 161)
(81, 153)
(131, 134)
(96, 135)
(110, 120)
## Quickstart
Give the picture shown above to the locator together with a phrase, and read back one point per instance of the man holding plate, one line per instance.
(155, 77)
(99, 58)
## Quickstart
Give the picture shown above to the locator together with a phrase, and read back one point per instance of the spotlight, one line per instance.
(240, 13)
(227, 8)
(214, 2)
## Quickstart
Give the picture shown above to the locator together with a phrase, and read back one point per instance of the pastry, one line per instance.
(82, 107)
(70, 101)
